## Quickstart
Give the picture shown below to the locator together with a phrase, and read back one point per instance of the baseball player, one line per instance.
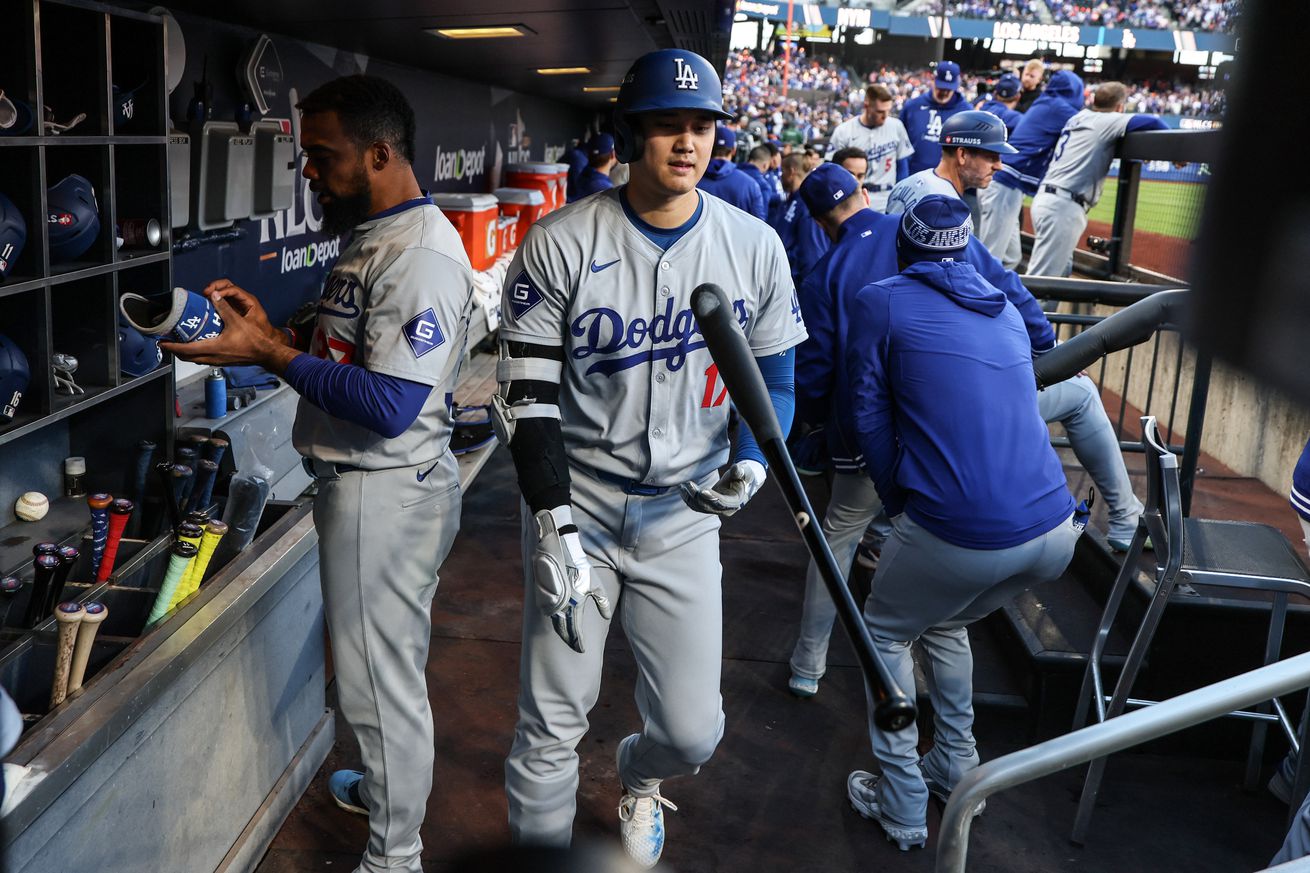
(863, 251)
(944, 400)
(373, 369)
(725, 181)
(924, 116)
(1073, 182)
(1005, 96)
(596, 175)
(617, 421)
(1076, 402)
(802, 239)
(883, 139)
(756, 169)
(1034, 138)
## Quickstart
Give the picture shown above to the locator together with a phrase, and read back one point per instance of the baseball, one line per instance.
(32, 506)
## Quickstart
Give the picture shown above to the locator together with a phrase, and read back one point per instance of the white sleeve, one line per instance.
(777, 326)
(837, 143)
(904, 148)
(534, 303)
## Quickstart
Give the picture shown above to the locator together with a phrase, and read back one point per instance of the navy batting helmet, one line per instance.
(73, 220)
(138, 354)
(13, 234)
(14, 377)
(976, 129)
(664, 79)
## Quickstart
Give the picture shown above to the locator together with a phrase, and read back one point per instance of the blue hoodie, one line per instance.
(945, 407)
(1003, 112)
(1036, 134)
(865, 251)
(923, 118)
(724, 181)
(1301, 484)
(772, 196)
(802, 238)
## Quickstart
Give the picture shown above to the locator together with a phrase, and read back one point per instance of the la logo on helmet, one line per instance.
(686, 78)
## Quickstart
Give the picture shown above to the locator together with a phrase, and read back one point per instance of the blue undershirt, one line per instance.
(664, 237)
(386, 405)
(779, 372)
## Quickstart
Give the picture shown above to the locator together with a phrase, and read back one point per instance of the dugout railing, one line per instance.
(1165, 373)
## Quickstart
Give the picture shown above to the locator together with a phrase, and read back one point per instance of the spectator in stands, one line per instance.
(756, 169)
(1034, 70)
(1005, 96)
(802, 238)
(791, 136)
(923, 116)
(813, 157)
(600, 161)
(725, 181)
(882, 139)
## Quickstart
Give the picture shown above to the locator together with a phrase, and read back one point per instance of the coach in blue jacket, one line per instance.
(945, 410)
(924, 116)
(725, 181)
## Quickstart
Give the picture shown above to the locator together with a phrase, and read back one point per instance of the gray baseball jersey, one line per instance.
(883, 146)
(914, 188)
(1084, 151)
(397, 302)
(640, 396)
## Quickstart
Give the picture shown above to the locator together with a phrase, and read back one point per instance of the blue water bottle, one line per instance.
(215, 394)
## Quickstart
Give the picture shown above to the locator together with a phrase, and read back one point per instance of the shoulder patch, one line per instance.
(523, 295)
(423, 333)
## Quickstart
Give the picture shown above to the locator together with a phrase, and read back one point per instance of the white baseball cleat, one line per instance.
(861, 791)
(802, 686)
(641, 822)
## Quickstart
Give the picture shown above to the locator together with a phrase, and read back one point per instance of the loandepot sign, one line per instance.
(455, 166)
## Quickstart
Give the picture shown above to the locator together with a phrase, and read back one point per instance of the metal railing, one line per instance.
(1165, 385)
(1105, 738)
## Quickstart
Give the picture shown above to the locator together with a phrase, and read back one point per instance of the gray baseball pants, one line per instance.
(1002, 207)
(658, 562)
(929, 590)
(382, 536)
(1058, 222)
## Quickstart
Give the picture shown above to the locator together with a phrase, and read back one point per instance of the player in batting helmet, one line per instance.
(976, 129)
(660, 80)
(14, 377)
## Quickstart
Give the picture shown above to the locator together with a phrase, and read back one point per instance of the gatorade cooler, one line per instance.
(550, 179)
(475, 218)
(509, 233)
(524, 204)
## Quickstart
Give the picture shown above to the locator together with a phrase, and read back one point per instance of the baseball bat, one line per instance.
(185, 455)
(188, 533)
(68, 556)
(164, 473)
(69, 616)
(145, 452)
(214, 532)
(182, 553)
(197, 517)
(181, 475)
(119, 512)
(43, 573)
(892, 710)
(208, 472)
(45, 549)
(215, 448)
(86, 635)
(1127, 327)
(99, 506)
(9, 588)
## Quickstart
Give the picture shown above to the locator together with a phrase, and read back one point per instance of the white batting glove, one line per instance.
(562, 575)
(734, 488)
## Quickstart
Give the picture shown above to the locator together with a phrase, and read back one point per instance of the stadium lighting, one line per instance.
(598, 89)
(562, 71)
(485, 32)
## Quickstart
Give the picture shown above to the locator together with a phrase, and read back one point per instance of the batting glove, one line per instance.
(734, 488)
(563, 577)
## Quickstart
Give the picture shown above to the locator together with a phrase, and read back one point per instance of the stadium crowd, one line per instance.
(1208, 15)
(1132, 13)
(1003, 10)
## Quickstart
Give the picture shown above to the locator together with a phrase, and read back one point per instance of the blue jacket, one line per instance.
(802, 238)
(1301, 484)
(923, 118)
(945, 409)
(1036, 135)
(865, 251)
(576, 158)
(779, 199)
(1003, 112)
(590, 181)
(723, 180)
(772, 196)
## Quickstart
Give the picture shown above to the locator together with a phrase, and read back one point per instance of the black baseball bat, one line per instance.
(9, 588)
(164, 471)
(43, 574)
(145, 451)
(892, 709)
(1127, 327)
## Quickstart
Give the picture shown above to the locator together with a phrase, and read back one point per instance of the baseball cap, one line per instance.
(1007, 86)
(937, 228)
(948, 76)
(825, 187)
(600, 144)
(724, 137)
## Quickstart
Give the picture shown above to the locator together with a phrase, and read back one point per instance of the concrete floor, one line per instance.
(773, 797)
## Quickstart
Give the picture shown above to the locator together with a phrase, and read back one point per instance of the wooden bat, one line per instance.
(119, 512)
(86, 635)
(182, 554)
(43, 574)
(69, 616)
(99, 505)
(181, 476)
(145, 451)
(45, 549)
(207, 473)
(164, 472)
(214, 451)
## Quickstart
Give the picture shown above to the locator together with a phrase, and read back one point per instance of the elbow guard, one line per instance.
(528, 379)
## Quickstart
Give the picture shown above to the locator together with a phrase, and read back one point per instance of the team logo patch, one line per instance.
(523, 295)
(685, 79)
(423, 333)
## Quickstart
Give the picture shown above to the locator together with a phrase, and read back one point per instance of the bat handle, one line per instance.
(164, 472)
(204, 485)
(214, 532)
(118, 516)
(9, 588)
(43, 574)
(86, 635)
(145, 451)
(69, 616)
(67, 558)
(177, 564)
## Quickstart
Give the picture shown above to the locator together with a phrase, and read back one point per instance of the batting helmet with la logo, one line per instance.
(660, 80)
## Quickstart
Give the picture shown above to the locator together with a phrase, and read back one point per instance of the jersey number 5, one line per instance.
(714, 396)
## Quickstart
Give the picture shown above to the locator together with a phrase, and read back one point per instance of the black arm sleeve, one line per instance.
(538, 444)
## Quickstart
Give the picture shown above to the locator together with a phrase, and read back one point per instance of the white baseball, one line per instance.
(32, 506)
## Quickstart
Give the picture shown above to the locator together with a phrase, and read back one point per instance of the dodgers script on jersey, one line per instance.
(640, 396)
(1084, 151)
(912, 189)
(883, 146)
(397, 302)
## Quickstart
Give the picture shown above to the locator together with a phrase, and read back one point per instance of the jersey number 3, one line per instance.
(714, 395)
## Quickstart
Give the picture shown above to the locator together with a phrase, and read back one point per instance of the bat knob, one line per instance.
(10, 584)
(894, 713)
(707, 299)
(69, 611)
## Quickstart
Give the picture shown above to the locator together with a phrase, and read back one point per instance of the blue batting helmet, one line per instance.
(976, 129)
(13, 234)
(14, 377)
(138, 354)
(73, 220)
(659, 80)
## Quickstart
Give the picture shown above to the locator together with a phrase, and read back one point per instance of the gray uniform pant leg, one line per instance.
(659, 564)
(382, 538)
(927, 589)
(1002, 207)
(1297, 843)
(1076, 404)
(1058, 222)
(852, 506)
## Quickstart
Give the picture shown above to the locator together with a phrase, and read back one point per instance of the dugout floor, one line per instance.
(772, 799)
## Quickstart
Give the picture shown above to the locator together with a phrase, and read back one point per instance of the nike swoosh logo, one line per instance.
(597, 268)
(424, 474)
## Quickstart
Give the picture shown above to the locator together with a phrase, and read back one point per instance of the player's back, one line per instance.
(912, 189)
(1084, 151)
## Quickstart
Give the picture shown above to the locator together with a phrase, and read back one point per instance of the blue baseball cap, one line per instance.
(828, 185)
(937, 228)
(600, 144)
(1007, 86)
(948, 76)
(724, 137)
